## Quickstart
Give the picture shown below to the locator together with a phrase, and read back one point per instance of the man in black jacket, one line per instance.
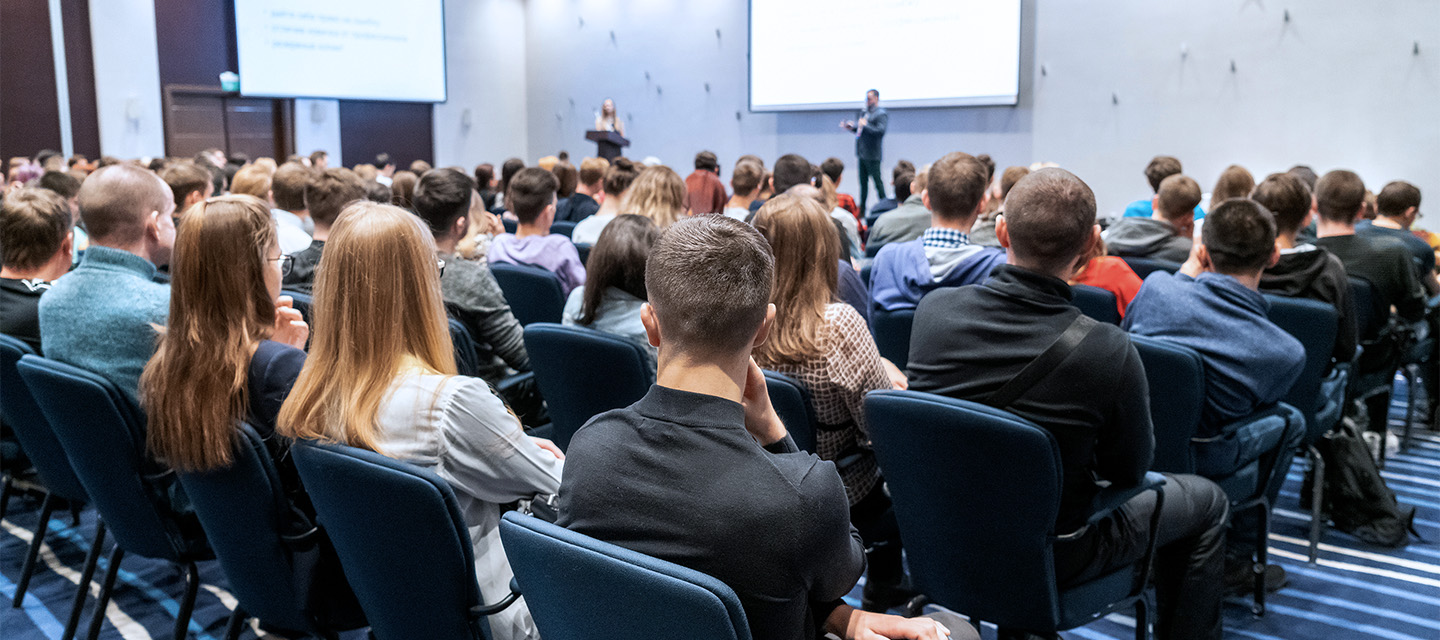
(968, 342)
(869, 128)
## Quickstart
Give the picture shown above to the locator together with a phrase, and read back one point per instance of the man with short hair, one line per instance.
(531, 196)
(1165, 234)
(834, 169)
(588, 193)
(1095, 402)
(704, 193)
(691, 472)
(1396, 209)
(35, 249)
(745, 183)
(869, 128)
(256, 180)
(101, 316)
(942, 256)
(319, 160)
(907, 221)
(1160, 168)
(325, 196)
(1305, 270)
(384, 169)
(287, 193)
(443, 199)
(902, 190)
(190, 183)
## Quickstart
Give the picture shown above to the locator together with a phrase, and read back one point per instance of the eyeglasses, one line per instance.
(440, 264)
(287, 263)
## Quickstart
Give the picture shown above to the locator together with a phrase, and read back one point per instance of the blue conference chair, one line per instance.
(402, 542)
(977, 492)
(510, 225)
(103, 435)
(579, 588)
(1176, 377)
(791, 401)
(1145, 266)
(1096, 303)
(892, 334)
(37, 439)
(259, 540)
(583, 249)
(865, 274)
(534, 294)
(303, 302)
(583, 372)
(562, 227)
(466, 362)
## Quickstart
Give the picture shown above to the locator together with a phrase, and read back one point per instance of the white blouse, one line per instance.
(456, 427)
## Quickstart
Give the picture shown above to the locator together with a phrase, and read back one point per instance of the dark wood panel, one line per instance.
(29, 111)
(198, 118)
(401, 129)
(195, 40)
(80, 73)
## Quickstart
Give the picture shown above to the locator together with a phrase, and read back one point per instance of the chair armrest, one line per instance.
(480, 610)
(509, 382)
(1110, 498)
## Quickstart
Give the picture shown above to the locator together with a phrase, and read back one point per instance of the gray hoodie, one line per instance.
(1146, 238)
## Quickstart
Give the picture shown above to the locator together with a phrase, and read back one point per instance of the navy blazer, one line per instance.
(273, 370)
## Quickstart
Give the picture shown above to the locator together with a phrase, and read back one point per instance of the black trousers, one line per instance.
(870, 171)
(1189, 553)
(874, 517)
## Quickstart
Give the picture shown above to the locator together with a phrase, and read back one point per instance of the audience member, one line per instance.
(902, 189)
(971, 342)
(232, 348)
(614, 288)
(907, 221)
(1305, 270)
(834, 168)
(381, 376)
(824, 194)
(1110, 273)
(35, 249)
(532, 200)
(1165, 234)
(508, 170)
(616, 185)
(326, 195)
(658, 193)
(1396, 210)
(588, 192)
(419, 168)
(102, 316)
(745, 183)
(444, 199)
(825, 345)
(384, 169)
(983, 233)
(287, 192)
(67, 186)
(704, 193)
(255, 180)
(1234, 182)
(568, 179)
(1160, 168)
(402, 188)
(190, 183)
(319, 161)
(486, 180)
(693, 470)
(379, 192)
(942, 256)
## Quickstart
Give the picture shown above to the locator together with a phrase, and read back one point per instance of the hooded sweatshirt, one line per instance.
(1146, 238)
(903, 272)
(1308, 271)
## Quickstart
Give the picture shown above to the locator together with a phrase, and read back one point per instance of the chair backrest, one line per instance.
(510, 225)
(1146, 266)
(582, 372)
(1367, 315)
(467, 363)
(1314, 324)
(1176, 377)
(103, 435)
(36, 438)
(303, 302)
(579, 588)
(562, 227)
(792, 403)
(244, 511)
(976, 492)
(400, 537)
(583, 249)
(1096, 303)
(534, 294)
(892, 334)
(865, 274)
(872, 250)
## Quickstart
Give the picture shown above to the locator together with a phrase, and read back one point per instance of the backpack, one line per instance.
(1356, 498)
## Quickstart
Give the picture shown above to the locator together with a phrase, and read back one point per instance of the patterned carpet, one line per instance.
(1354, 591)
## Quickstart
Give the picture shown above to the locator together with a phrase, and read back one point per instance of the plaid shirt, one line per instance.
(937, 238)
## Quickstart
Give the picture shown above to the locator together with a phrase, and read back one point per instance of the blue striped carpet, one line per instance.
(1355, 591)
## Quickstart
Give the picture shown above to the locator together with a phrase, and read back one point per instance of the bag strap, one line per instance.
(1043, 364)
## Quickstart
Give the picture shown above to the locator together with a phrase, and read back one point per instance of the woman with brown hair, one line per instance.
(825, 345)
(231, 349)
(614, 288)
(402, 189)
(658, 193)
(381, 376)
(1235, 182)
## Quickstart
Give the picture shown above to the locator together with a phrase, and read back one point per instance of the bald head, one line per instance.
(1050, 218)
(116, 201)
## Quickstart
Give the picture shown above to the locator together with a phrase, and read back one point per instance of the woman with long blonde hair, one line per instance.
(658, 193)
(231, 349)
(381, 376)
(825, 345)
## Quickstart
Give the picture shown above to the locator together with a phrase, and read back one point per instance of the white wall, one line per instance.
(127, 78)
(317, 127)
(485, 75)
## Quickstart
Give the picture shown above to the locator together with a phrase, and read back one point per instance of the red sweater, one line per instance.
(1111, 274)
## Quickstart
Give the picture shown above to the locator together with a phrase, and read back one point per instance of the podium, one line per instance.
(608, 143)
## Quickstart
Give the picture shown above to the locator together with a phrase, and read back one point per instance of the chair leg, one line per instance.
(238, 618)
(1411, 374)
(5, 486)
(46, 508)
(1142, 619)
(1262, 556)
(82, 590)
(103, 602)
(1317, 502)
(192, 588)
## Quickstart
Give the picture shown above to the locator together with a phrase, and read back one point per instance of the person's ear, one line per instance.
(1202, 255)
(925, 199)
(1155, 202)
(1186, 227)
(270, 197)
(764, 331)
(67, 247)
(152, 227)
(1274, 257)
(461, 226)
(1359, 214)
(1309, 217)
(1002, 231)
(651, 323)
(1410, 213)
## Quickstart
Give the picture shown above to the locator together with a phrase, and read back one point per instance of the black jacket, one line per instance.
(1310, 272)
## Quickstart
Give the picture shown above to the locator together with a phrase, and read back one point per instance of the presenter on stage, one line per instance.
(869, 132)
(608, 120)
